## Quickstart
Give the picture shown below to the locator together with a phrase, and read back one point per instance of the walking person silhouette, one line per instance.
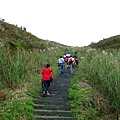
(47, 75)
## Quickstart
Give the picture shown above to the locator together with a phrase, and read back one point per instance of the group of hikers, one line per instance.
(67, 61)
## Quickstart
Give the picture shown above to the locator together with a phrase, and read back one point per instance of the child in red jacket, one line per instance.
(47, 76)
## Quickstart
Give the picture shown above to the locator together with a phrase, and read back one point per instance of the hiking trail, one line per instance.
(54, 106)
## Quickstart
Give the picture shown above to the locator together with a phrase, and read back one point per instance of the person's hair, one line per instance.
(75, 52)
(48, 65)
(60, 56)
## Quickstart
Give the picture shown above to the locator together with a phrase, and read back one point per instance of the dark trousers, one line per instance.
(76, 62)
(45, 85)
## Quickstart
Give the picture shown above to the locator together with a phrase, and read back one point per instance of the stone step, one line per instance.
(53, 118)
(64, 113)
(51, 107)
(58, 92)
(65, 82)
(49, 102)
(63, 88)
(60, 84)
(64, 95)
(54, 98)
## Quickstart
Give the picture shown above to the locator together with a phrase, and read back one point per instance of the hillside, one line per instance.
(18, 37)
(94, 89)
(21, 48)
(112, 42)
(22, 57)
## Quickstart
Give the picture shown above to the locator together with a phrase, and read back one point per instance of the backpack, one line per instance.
(70, 60)
(51, 75)
(66, 59)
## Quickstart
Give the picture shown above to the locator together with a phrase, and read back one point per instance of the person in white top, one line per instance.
(68, 55)
(61, 64)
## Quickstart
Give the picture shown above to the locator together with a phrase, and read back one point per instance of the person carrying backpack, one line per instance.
(66, 61)
(75, 56)
(71, 62)
(47, 77)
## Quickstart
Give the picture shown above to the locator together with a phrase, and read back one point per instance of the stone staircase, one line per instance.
(54, 106)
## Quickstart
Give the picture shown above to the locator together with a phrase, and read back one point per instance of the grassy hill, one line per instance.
(18, 37)
(20, 49)
(94, 91)
(108, 43)
(22, 57)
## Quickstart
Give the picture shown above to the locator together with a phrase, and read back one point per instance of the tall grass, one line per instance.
(101, 70)
(22, 57)
(20, 72)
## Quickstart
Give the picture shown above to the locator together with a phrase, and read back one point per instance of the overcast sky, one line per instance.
(70, 22)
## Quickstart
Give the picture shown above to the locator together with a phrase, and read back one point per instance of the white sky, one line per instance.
(70, 22)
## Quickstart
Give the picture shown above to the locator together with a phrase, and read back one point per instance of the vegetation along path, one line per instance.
(54, 106)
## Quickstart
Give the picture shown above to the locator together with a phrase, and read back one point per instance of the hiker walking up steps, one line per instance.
(70, 63)
(61, 64)
(47, 76)
(66, 61)
(67, 57)
(75, 56)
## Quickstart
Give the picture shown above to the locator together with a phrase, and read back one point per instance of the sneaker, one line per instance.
(48, 93)
(43, 95)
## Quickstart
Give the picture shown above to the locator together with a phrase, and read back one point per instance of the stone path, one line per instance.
(54, 106)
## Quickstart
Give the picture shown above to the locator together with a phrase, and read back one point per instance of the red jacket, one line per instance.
(46, 74)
